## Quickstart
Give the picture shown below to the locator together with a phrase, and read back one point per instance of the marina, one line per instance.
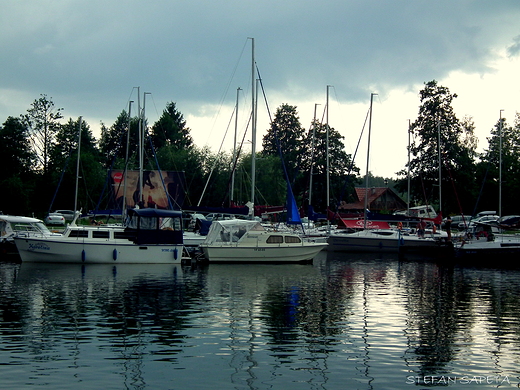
(356, 321)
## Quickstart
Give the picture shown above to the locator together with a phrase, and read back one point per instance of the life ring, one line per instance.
(482, 233)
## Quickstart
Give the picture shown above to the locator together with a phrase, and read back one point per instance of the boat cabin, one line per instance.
(154, 226)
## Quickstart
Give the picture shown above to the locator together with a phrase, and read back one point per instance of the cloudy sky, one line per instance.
(89, 55)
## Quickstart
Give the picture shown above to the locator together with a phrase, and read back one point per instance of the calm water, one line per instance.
(345, 322)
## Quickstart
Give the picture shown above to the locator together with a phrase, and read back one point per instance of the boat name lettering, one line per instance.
(260, 249)
(39, 246)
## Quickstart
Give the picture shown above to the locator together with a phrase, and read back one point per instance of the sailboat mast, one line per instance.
(440, 165)
(500, 169)
(125, 171)
(327, 203)
(253, 126)
(142, 135)
(368, 160)
(77, 167)
(409, 195)
(139, 137)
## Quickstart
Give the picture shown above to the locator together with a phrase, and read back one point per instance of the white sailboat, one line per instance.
(383, 240)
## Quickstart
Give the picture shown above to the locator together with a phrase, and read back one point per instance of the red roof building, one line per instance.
(380, 199)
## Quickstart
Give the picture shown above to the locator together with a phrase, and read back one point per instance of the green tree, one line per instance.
(115, 140)
(270, 183)
(342, 171)
(42, 120)
(17, 179)
(505, 141)
(171, 130)
(437, 120)
(285, 135)
(64, 157)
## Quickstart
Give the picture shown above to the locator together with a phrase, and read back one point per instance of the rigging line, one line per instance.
(226, 90)
(482, 187)
(454, 188)
(279, 146)
(353, 158)
(109, 174)
(217, 159)
(168, 196)
(235, 162)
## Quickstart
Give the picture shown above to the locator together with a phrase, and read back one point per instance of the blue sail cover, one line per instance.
(293, 216)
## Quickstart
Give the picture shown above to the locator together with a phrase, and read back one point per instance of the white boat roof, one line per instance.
(232, 227)
(18, 219)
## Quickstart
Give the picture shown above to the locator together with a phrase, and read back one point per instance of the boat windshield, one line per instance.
(231, 230)
(32, 227)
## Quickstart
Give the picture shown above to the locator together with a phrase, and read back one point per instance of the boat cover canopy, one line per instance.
(154, 226)
(231, 230)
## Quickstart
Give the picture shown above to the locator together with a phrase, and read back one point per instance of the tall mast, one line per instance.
(500, 168)
(440, 166)
(125, 171)
(141, 162)
(327, 201)
(253, 125)
(140, 141)
(368, 160)
(77, 169)
(409, 195)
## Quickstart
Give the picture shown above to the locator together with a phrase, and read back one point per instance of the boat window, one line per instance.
(100, 234)
(78, 233)
(121, 235)
(275, 240)
(292, 239)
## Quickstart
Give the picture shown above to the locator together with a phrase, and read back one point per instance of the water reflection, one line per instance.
(345, 321)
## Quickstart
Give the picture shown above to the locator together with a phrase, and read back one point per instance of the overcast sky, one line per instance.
(89, 55)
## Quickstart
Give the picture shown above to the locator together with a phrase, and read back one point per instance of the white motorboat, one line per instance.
(150, 236)
(484, 242)
(248, 241)
(12, 225)
(387, 240)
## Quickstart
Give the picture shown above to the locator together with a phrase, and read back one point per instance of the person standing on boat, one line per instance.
(447, 227)
(421, 227)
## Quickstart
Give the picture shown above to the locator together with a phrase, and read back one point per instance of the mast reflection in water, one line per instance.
(350, 322)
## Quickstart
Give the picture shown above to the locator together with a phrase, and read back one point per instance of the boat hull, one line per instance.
(502, 250)
(70, 250)
(261, 254)
(392, 243)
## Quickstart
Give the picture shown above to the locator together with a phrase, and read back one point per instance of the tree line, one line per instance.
(39, 152)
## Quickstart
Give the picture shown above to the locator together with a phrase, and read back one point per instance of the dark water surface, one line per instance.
(344, 322)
